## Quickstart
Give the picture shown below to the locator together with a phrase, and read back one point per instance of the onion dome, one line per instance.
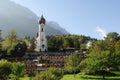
(42, 20)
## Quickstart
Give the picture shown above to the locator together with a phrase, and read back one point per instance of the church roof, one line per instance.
(42, 20)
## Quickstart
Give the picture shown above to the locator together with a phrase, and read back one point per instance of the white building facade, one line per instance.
(41, 41)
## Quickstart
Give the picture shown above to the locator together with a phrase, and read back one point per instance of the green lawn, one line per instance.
(84, 77)
(90, 77)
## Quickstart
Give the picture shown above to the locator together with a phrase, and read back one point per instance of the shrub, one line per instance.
(5, 69)
(49, 74)
(18, 70)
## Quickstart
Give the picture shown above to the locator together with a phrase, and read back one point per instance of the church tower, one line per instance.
(41, 41)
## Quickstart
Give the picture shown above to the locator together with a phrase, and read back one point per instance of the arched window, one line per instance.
(43, 46)
(42, 30)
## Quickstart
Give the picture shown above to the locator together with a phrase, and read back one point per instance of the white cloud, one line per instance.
(101, 31)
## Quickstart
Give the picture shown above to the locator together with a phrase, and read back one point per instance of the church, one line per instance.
(41, 41)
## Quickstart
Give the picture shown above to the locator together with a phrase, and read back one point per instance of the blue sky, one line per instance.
(94, 18)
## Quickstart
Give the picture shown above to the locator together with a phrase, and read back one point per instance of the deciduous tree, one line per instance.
(72, 63)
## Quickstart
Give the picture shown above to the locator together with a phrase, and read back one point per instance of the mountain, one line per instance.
(23, 20)
(54, 26)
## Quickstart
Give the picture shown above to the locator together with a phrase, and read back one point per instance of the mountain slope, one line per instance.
(23, 20)
(54, 26)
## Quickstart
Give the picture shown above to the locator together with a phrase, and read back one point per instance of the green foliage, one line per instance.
(19, 50)
(103, 54)
(12, 77)
(25, 78)
(117, 47)
(67, 41)
(95, 62)
(7, 44)
(112, 36)
(13, 46)
(11, 38)
(49, 74)
(32, 44)
(83, 46)
(5, 69)
(100, 45)
(98, 58)
(18, 70)
(56, 41)
(72, 63)
(10, 41)
(115, 55)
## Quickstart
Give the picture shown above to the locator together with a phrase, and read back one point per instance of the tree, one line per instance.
(13, 46)
(115, 57)
(19, 49)
(67, 41)
(0, 49)
(72, 63)
(5, 69)
(102, 55)
(32, 44)
(117, 47)
(112, 36)
(10, 41)
(83, 46)
(65, 44)
(95, 62)
(12, 37)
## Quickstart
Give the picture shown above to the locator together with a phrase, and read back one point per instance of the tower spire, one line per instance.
(42, 20)
(41, 40)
